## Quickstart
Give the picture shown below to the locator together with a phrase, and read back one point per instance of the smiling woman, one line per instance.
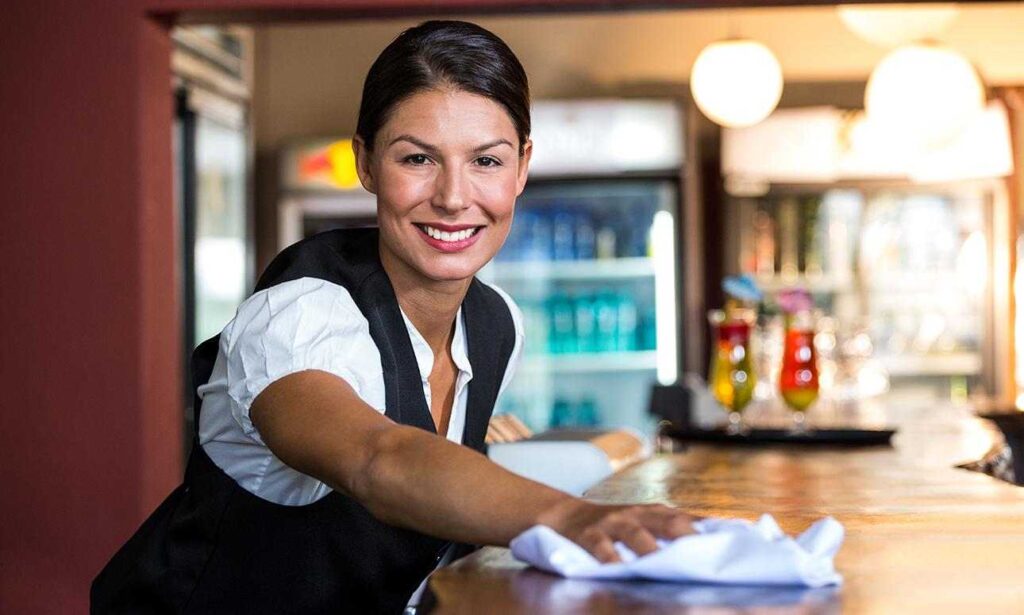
(342, 411)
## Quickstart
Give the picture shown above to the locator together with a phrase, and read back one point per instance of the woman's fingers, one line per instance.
(668, 522)
(600, 545)
(635, 536)
(598, 527)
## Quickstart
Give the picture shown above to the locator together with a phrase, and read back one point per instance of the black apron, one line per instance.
(214, 547)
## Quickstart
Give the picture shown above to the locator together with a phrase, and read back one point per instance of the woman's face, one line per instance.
(446, 170)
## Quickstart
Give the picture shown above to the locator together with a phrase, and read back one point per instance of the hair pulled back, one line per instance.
(439, 54)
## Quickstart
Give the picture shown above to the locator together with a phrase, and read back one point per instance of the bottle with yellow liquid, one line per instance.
(731, 374)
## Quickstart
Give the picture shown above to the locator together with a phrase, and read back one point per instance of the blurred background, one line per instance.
(162, 154)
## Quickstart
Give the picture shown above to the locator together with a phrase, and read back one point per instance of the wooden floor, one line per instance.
(922, 536)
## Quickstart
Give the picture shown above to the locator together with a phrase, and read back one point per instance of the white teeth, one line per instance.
(446, 236)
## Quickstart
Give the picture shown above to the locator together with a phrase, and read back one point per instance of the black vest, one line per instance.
(213, 547)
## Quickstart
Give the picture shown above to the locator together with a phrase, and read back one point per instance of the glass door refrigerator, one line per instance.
(591, 262)
(212, 155)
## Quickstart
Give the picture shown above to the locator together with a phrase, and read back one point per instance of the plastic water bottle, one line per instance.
(605, 243)
(605, 310)
(562, 332)
(648, 329)
(586, 324)
(585, 237)
(626, 324)
(563, 231)
(536, 245)
(562, 413)
(586, 412)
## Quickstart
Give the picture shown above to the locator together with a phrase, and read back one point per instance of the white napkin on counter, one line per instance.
(724, 551)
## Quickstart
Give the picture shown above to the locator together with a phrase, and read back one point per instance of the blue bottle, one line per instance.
(562, 413)
(586, 237)
(562, 330)
(648, 329)
(562, 235)
(626, 323)
(606, 313)
(586, 413)
(536, 244)
(586, 323)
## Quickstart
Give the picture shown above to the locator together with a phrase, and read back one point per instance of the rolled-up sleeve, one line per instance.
(299, 325)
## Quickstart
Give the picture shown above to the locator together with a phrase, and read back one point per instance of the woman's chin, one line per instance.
(450, 274)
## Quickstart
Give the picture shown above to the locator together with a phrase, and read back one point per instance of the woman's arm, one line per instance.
(316, 423)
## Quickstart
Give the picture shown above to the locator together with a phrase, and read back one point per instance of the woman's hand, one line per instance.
(597, 527)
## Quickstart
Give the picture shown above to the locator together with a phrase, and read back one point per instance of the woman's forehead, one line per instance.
(449, 116)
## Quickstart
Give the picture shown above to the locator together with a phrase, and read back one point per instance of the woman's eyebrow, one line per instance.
(433, 149)
(414, 141)
(491, 144)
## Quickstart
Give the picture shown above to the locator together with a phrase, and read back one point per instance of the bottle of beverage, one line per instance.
(585, 236)
(606, 312)
(586, 412)
(562, 334)
(605, 242)
(648, 328)
(586, 323)
(562, 413)
(563, 235)
(626, 325)
(536, 245)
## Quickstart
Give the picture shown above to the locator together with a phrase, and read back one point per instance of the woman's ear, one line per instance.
(524, 166)
(363, 164)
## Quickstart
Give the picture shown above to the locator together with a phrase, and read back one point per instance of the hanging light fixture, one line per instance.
(890, 25)
(924, 92)
(736, 82)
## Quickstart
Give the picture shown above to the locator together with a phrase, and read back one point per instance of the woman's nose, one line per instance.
(451, 191)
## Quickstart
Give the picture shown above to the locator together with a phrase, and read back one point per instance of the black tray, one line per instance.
(829, 436)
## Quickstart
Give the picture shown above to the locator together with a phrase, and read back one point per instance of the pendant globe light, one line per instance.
(925, 93)
(736, 82)
(891, 25)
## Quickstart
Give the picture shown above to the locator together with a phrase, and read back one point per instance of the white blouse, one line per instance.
(303, 324)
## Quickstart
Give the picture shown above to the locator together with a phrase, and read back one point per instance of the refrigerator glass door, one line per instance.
(591, 264)
(220, 225)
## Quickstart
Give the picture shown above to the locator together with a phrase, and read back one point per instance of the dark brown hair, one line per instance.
(437, 54)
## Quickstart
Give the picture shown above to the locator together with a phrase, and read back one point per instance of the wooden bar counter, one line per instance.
(922, 536)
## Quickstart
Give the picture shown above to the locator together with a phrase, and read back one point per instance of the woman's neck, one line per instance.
(431, 305)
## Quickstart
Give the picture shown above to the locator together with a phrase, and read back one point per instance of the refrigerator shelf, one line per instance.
(601, 269)
(642, 360)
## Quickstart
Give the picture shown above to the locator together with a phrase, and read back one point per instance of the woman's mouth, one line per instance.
(452, 240)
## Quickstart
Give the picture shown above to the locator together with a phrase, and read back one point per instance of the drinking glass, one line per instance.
(731, 375)
(798, 381)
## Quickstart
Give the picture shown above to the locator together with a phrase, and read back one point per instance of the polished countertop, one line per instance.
(922, 535)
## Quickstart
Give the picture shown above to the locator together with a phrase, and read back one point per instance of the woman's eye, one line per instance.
(488, 161)
(416, 159)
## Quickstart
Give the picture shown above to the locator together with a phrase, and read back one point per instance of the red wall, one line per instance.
(90, 436)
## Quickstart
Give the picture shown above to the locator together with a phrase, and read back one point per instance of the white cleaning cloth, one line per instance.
(725, 551)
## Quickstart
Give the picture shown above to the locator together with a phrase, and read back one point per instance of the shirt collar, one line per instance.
(425, 356)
